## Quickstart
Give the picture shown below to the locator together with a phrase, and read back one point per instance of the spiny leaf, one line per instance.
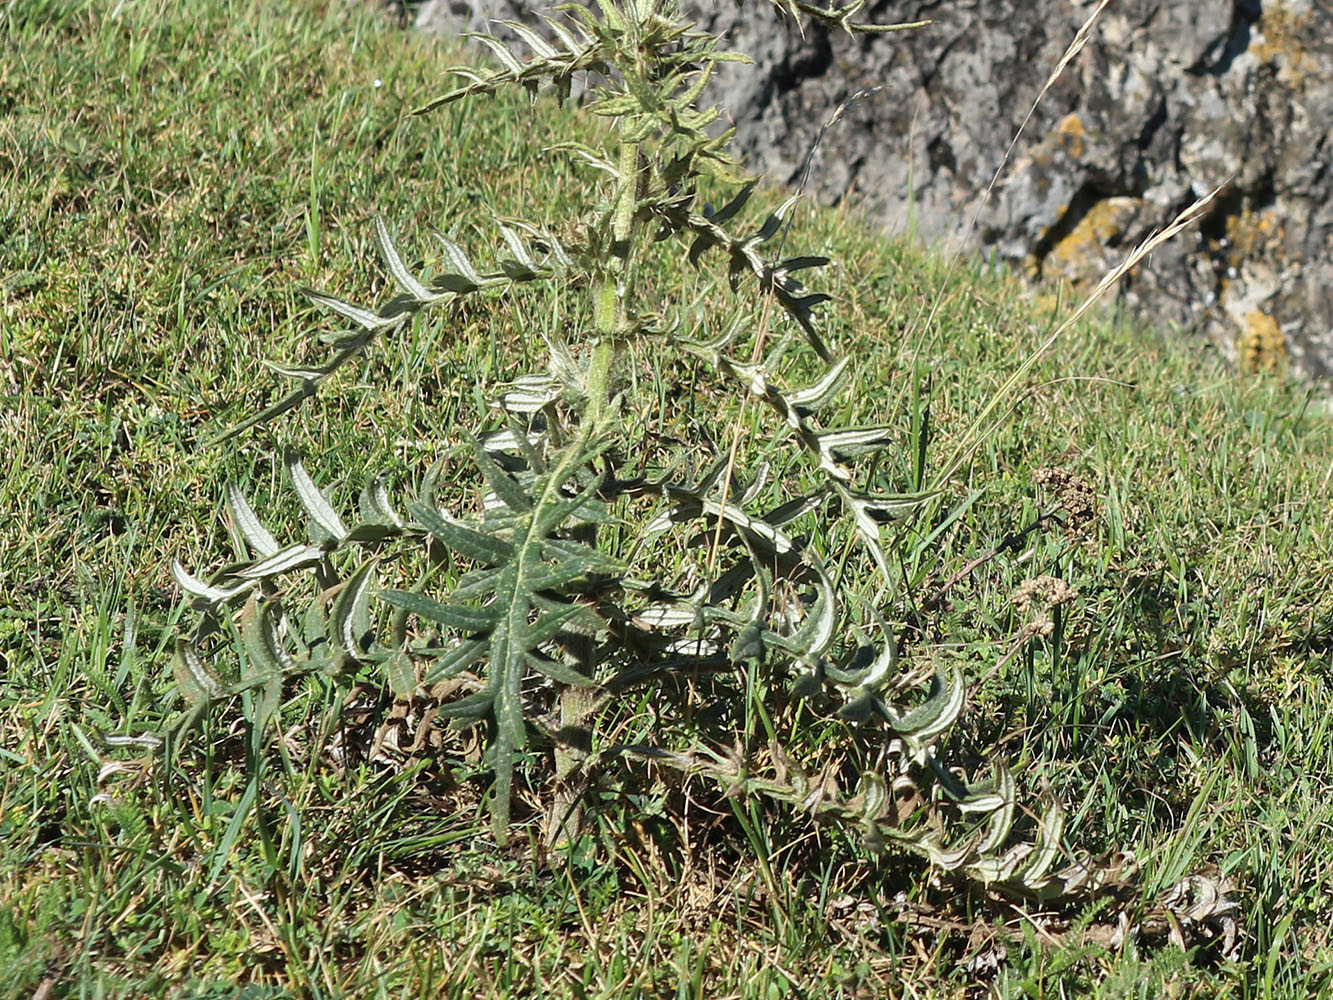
(400, 274)
(815, 634)
(474, 706)
(559, 672)
(197, 680)
(349, 618)
(372, 532)
(401, 674)
(792, 509)
(249, 524)
(456, 660)
(460, 616)
(800, 264)
(314, 502)
(584, 558)
(854, 442)
(559, 507)
(546, 626)
(371, 321)
(210, 593)
(615, 106)
(924, 724)
(729, 210)
(284, 561)
(549, 577)
(508, 489)
(459, 263)
(507, 58)
(572, 45)
(475, 583)
(261, 639)
(462, 539)
(376, 506)
(818, 395)
(1048, 845)
(534, 41)
(1001, 817)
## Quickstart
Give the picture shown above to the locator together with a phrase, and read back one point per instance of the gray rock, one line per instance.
(1170, 98)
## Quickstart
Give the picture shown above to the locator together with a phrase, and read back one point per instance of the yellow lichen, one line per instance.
(1071, 132)
(1082, 255)
(1282, 35)
(1261, 346)
(1251, 234)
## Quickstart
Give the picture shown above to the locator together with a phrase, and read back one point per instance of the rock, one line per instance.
(1168, 99)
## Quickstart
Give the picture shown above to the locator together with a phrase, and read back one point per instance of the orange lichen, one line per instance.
(1261, 346)
(1082, 255)
(1252, 234)
(1282, 41)
(1065, 140)
(1071, 134)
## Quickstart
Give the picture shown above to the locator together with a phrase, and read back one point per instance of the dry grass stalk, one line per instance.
(974, 436)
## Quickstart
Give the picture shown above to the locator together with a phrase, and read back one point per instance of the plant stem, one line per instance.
(611, 317)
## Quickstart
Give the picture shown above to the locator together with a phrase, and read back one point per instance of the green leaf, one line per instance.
(612, 16)
(197, 680)
(517, 248)
(1001, 808)
(800, 264)
(922, 725)
(314, 502)
(371, 321)
(546, 626)
(792, 509)
(559, 672)
(854, 442)
(372, 533)
(260, 637)
(210, 593)
(269, 702)
(401, 674)
(588, 558)
(729, 210)
(462, 539)
(284, 561)
(547, 577)
(474, 706)
(456, 660)
(589, 155)
(376, 506)
(249, 524)
(460, 264)
(812, 640)
(818, 395)
(349, 618)
(572, 45)
(1048, 846)
(400, 274)
(507, 58)
(518, 271)
(533, 40)
(585, 503)
(506, 487)
(474, 584)
(881, 508)
(615, 106)
(460, 616)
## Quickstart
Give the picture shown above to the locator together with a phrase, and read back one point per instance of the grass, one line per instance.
(169, 177)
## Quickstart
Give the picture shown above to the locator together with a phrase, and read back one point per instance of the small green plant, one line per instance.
(730, 545)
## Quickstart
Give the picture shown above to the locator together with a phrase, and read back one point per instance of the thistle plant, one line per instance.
(607, 552)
